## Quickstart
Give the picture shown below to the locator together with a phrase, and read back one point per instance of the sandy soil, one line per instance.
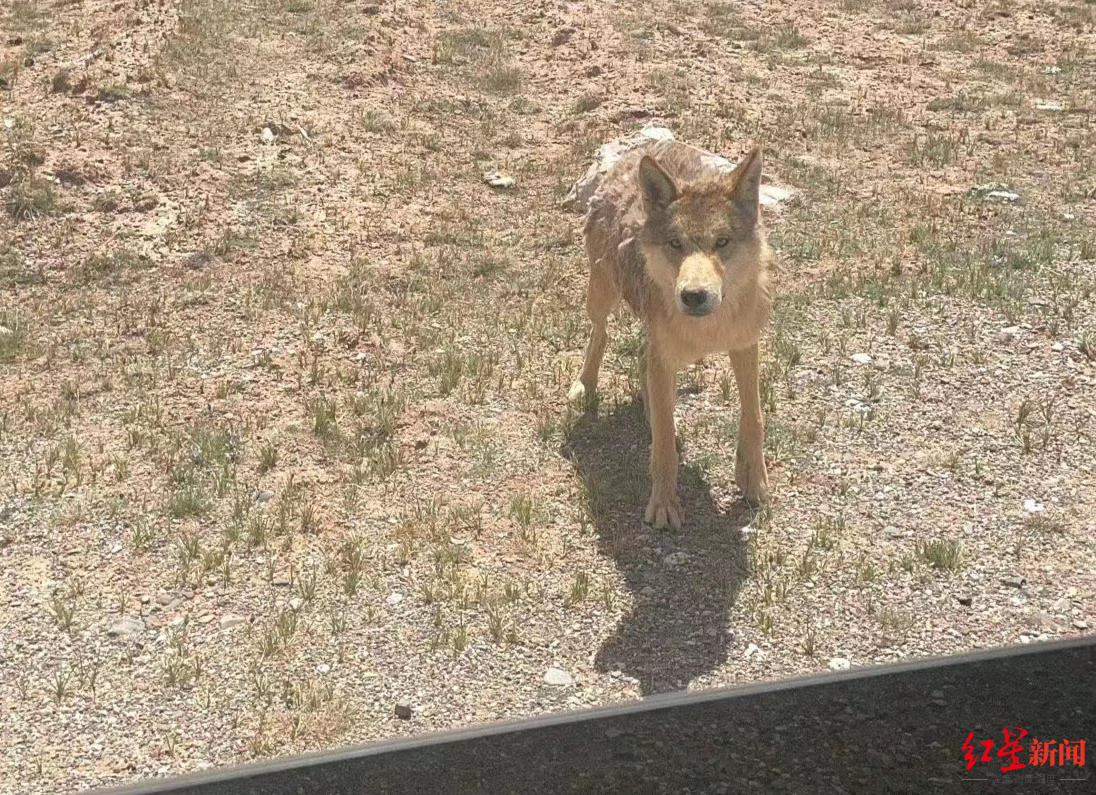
(285, 456)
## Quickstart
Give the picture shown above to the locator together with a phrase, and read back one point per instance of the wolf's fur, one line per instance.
(681, 243)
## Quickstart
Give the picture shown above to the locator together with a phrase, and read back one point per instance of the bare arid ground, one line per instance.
(285, 456)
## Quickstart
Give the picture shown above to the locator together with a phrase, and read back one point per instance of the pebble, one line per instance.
(403, 710)
(862, 358)
(1033, 506)
(228, 621)
(126, 626)
(205, 619)
(754, 651)
(557, 677)
(497, 180)
(268, 135)
(965, 601)
(675, 558)
(1040, 620)
(394, 598)
(264, 496)
(296, 603)
(323, 668)
(1080, 623)
(839, 664)
(1061, 606)
(1008, 334)
(1014, 582)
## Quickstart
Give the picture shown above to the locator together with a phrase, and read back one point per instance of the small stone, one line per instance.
(1008, 334)
(675, 558)
(126, 627)
(205, 619)
(296, 603)
(862, 358)
(323, 668)
(403, 710)
(1040, 620)
(557, 677)
(965, 601)
(268, 135)
(1061, 606)
(1032, 506)
(839, 664)
(394, 598)
(228, 621)
(1080, 623)
(165, 599)
(1053, 107)
(754, 651)
(1014, 582)
(281, 582)
(499, 180)
(263, 496)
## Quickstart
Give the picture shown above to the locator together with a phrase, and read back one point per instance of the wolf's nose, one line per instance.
(694, 300)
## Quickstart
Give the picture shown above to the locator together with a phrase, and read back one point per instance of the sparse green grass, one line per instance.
(14, 334)
(942, 555)
(329, 395)
(31, 199)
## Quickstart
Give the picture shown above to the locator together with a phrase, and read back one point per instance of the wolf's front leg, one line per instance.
(664, 508)
(750, 473)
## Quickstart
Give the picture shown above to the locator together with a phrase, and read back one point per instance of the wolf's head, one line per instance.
(700, 238)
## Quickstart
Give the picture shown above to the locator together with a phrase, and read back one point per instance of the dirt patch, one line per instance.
(283, 429)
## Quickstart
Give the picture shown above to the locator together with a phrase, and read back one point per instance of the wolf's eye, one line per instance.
(675, 243)
(722, 242)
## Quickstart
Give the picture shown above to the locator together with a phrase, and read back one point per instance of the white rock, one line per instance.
(753, 651)
(557, 677)
(126, 626)
(268, 135)
(228, 621)
(394, 598)
(862, 358)
(1031, 506)
(497, 180)
(839, 664)
(323, 668)
(675, 558)
(1054, 107)
(1008, 334)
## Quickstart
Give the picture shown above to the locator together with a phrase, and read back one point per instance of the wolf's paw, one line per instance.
(663, 514)
(754, 489)
(579, 395)
(752, 477)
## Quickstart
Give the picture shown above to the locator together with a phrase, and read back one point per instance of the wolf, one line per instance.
(681, 241)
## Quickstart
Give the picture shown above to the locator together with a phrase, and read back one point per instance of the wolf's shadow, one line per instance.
(683, 583)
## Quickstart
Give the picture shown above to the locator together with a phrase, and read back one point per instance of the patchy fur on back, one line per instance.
(626, 238)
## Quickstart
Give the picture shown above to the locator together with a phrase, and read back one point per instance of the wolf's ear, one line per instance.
(655, 184)
(745, 189)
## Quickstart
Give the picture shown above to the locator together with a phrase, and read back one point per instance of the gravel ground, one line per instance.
(285, 456)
